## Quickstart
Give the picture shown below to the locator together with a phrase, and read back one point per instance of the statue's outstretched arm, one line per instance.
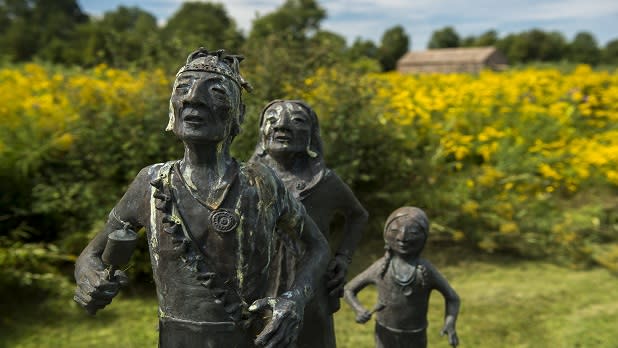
(452, 303)
(354, 286)
(95, 286)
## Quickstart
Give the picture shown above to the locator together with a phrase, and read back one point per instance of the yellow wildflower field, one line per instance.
(519, 160)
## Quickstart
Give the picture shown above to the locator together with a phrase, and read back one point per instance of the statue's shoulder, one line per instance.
(153, 171)
(269, 187)
(259, 172)
(425, 263)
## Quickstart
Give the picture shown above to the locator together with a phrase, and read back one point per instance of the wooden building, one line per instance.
(447, 60)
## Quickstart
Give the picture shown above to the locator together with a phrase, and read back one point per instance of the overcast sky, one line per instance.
(368, 19)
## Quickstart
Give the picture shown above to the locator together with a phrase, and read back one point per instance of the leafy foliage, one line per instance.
(61, 176)
(32, 28)
(395, 43)
(293, 20)
(493, 158)
(610, 52)
(584, 49)
(198, 24)
(446, 37)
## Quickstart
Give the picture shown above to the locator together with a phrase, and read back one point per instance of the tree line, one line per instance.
(534, 45)
(61, 32)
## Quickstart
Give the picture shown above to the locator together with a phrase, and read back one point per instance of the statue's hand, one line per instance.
(363, 316)
(336, 272)
(449, 329)
(94, 291)
(282, 329)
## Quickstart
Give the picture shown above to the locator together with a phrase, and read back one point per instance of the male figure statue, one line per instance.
(215, 227)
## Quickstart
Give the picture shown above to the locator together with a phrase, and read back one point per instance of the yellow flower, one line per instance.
(64, 141)
(509, 228)
(470, 207)
(547, 171)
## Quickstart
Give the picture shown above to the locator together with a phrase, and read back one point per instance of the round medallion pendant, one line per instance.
(407, 290)
(223, 220)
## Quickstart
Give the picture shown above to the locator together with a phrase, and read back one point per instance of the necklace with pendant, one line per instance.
(221, 220)
(404, 275)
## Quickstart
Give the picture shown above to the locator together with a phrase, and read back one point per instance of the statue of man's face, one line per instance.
(205, 106)
(405, 236)
(286, 127)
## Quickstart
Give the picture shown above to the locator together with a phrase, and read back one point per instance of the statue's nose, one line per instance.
(197, 92)
(282, 123)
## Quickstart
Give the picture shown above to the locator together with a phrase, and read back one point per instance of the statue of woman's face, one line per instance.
(286, 127)
(204, 105)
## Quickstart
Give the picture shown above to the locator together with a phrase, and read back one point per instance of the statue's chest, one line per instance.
(212, 229)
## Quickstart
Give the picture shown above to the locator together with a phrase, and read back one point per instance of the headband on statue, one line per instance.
(217, 62)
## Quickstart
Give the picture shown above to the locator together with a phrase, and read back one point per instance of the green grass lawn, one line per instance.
(504, 304)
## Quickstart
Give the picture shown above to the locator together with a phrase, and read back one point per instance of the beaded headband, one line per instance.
(217, 62)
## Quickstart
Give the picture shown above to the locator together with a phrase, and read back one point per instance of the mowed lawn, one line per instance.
(504, 304)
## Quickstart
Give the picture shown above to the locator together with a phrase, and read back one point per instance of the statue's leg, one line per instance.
(318, 329)
(386, 338)
(182, 334)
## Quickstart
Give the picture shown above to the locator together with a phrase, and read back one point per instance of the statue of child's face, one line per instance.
(286, 127)
(405, 236)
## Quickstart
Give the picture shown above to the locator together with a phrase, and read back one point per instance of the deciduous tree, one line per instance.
(610, 52)
(205, 24)
(584, 49)
(444, 38)
(394, 44)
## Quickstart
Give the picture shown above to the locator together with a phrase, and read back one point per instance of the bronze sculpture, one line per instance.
(404, 282)
(215, 227)
(291, 145)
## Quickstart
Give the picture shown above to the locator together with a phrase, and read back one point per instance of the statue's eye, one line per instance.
(415, 231)
(219, 90)
(299, 120)
(182, 88)
(271, 116)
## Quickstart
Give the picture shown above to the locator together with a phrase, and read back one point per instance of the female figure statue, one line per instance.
(404, 282)
(290, 144)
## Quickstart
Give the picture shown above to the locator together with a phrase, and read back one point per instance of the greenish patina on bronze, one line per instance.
(217, 229)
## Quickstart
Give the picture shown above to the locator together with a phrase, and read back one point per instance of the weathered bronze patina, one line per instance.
(404, 282)
(216, 228)
(290, 144)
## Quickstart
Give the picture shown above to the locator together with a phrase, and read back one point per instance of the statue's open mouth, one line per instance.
(282, 137)
(194, 115)
(194, 119)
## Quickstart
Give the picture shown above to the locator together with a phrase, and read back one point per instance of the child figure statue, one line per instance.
(404, 282)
